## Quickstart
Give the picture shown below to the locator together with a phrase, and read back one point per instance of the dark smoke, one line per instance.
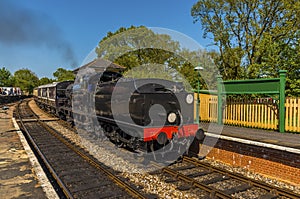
(21, 26)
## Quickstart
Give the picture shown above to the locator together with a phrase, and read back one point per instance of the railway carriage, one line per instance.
(52, 97)
(10, 91)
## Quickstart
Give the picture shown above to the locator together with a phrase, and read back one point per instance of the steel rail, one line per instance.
(272, 189)
(213, 192)
(41, 155)
(94, 163)
(91, 160)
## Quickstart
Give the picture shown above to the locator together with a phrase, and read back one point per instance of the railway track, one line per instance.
(77, 174)
(218, 183)
(194, 176)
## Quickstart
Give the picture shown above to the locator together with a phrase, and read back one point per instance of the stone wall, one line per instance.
(277, 164)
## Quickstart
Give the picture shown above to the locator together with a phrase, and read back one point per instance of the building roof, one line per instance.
(100, 65)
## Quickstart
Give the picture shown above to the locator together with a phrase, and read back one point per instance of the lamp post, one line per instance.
(198, 69)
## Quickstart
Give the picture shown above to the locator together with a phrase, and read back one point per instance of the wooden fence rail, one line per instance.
(254, 113)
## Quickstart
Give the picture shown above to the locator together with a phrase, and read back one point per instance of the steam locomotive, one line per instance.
(142, 114)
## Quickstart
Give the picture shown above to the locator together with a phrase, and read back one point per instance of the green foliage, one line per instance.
(45, 80)
(255, 38)
(155, 55)
(150, 71)
(136, 46)
(26, 80)
(6, 79)
(62, 74)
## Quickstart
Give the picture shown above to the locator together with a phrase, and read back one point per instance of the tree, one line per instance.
(6, 78)
(202, 58)
(136, 46)
(62, 74)
(140, 46)
(26, 80)
(255, 38)
(45, 80)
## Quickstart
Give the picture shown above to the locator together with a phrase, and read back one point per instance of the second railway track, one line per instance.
(191, 174)
(77, 173)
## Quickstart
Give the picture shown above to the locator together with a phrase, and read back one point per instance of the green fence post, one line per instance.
(219, 87)
(198, 101)
(282, 77)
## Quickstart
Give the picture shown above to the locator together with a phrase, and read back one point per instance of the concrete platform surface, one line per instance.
(291, 140)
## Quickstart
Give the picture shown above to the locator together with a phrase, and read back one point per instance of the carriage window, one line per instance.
(44, 92)
(51, 92)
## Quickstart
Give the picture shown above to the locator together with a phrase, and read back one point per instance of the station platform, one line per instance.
(21, 176)
(271, 154)
(282, 141)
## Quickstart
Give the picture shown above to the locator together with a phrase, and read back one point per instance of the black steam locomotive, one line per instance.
(147, 114)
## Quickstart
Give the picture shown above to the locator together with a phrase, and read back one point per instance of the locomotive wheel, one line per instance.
(200, 135)
(162, 138)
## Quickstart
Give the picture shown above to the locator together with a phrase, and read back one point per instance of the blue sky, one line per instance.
(45, 35)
